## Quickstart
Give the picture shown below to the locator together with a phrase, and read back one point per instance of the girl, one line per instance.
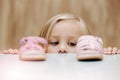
(62, 32)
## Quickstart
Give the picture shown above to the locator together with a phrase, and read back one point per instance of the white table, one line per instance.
(59, 67)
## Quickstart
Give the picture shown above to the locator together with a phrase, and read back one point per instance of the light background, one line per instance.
(19, 18)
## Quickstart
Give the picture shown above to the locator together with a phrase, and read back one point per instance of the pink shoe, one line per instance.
(32, 48)
(89, 48)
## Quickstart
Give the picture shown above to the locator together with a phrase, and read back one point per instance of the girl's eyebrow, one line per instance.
(73, 36)
(70, 36)
(55, 36)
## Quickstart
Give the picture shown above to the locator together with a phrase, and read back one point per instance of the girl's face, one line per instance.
(64, 37)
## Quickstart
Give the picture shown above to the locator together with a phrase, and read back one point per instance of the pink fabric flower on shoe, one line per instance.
(32, 48)
(32, 43)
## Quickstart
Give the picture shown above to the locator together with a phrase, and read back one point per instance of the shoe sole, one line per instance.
(32, 56)
(89, 55)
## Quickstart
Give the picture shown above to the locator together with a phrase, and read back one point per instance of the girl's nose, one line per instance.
(63, 48)
(62, 51)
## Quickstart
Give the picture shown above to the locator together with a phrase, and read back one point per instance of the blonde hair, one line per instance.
(46, 30)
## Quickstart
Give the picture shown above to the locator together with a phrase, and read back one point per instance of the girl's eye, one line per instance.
(72, 44)
(54, 43)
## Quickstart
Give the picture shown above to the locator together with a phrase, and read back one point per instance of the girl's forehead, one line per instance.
(67, 28)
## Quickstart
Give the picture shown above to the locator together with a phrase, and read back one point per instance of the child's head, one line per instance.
(62, 32)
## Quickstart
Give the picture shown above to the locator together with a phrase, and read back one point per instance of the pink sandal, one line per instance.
(89, 48)
(31, 48)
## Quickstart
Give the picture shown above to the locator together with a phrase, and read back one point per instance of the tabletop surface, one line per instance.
(59, 67)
